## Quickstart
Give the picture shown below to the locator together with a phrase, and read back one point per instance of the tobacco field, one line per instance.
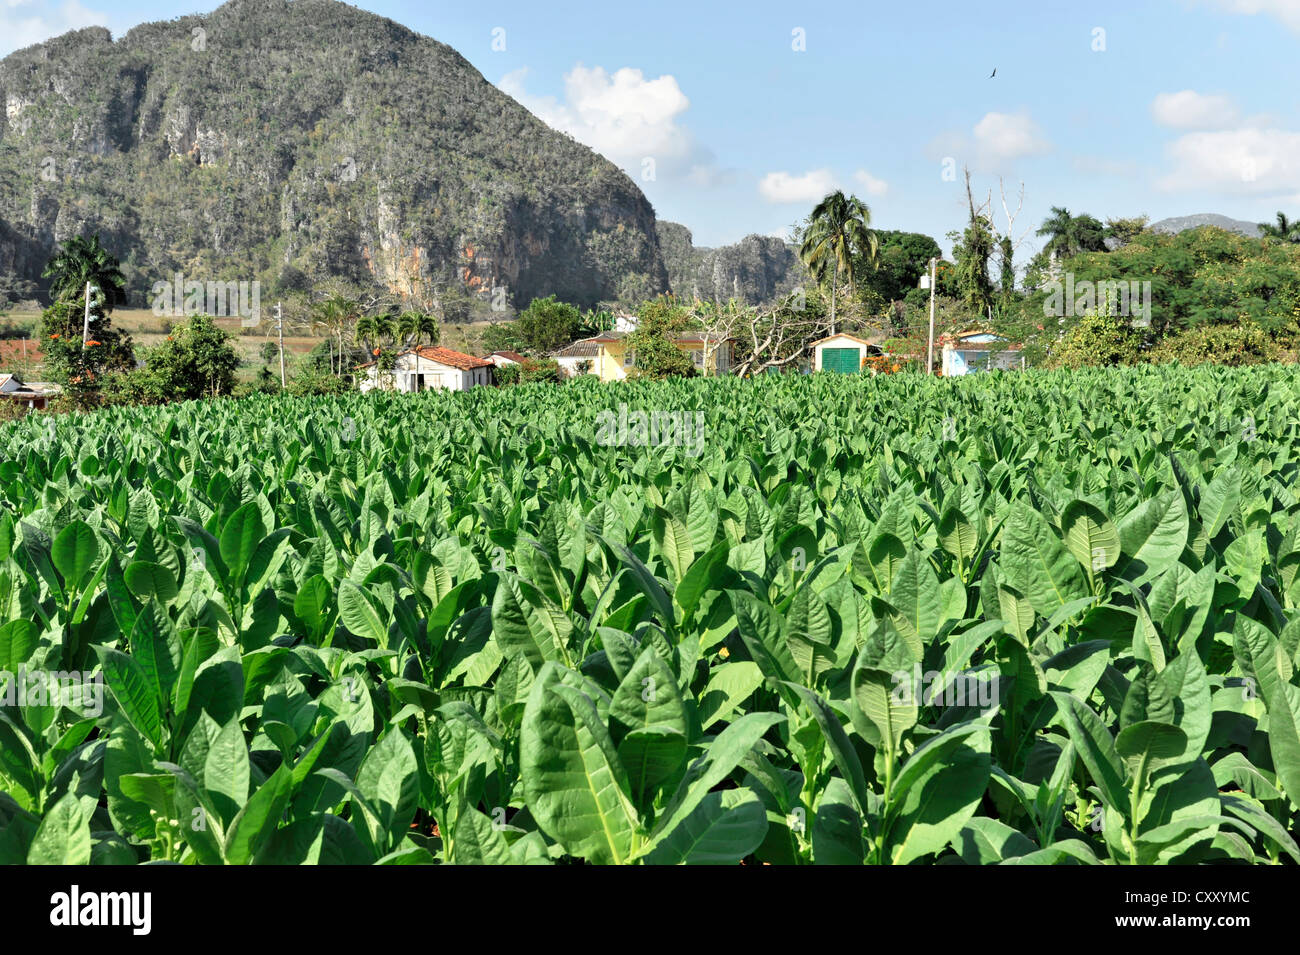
(1038, 618)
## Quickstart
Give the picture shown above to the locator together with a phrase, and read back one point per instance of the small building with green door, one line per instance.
(842, 353)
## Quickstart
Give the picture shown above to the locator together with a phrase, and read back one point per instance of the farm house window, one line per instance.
(629, 358)
(697, 355)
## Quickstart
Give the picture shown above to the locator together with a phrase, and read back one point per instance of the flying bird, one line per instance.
(994, 73)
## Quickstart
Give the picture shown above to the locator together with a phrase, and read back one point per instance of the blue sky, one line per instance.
(750, 111)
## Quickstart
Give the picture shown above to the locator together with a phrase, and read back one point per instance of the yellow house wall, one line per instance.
(609, 359)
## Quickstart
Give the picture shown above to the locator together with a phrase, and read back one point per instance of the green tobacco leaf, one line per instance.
(574, 782)
(729, 686)
(1037, 564)
(259, 818)
(479, 842)
(1154, 533)
(63, 837)
(937, 792)
(1090, 536)
(1093, 742)
(837, 741)
(722, 829)
(984, 841)
(74, 553)
(1266, 658)
(134, 691)
(359, 615)
(837, 828)
(242, 532)
(146, 579)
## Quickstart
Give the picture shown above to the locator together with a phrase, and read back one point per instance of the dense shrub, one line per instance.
(530, 372)
(313, 381)
(1234, 345)
(1097, 340)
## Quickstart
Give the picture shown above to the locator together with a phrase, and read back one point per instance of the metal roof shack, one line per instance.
(35, 395)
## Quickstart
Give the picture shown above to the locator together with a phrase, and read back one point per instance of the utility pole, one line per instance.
(929, 349)
(85, 328)
(279, 327)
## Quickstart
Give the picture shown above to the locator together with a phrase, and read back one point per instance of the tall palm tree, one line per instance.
(1057, 227)
(335, 314)
(1285, 230)
(414, 328)
(372, 330)
(838, 227)
(1069, 235)
(80, 261)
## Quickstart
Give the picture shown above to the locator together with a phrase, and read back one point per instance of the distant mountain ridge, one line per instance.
(1183, 223)
(287, 140)
(756, 269)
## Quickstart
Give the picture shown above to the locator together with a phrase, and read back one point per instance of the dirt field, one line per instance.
(23, 357)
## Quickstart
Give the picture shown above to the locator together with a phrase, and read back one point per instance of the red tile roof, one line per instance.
(444, 356)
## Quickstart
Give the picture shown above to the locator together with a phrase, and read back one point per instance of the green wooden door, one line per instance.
(846, 361)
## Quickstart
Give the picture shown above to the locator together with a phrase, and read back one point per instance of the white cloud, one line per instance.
(625, 117)
(24, 23)
(1252, 161)
(870, 184)
(1188, 109)
(1288, 11)
(1004, 136)
(810, 187)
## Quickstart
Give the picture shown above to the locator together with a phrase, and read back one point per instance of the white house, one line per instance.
(973, 351)
(842, 353)
(500, 358)
(426, 368)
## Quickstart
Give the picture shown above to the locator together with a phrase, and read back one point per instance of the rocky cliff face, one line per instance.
(755, 269)
(307, 134)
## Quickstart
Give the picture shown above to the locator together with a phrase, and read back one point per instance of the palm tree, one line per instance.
(414, 328)
(1070, 234)
(1284, 231)
(1057, 229)
(335, 314)
(372, 330)
(838, 227)
(80, 261)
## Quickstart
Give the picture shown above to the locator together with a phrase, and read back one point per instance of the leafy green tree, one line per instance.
(80, 364)
(838, 227)
(1284, 231)
(1123, 231)
(501, 336)
(1007, 267)
(80, 261)
(902, 259)
(972, 253)
(198, 360)
(654, 340)
(1198, 277)
(547, 324)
